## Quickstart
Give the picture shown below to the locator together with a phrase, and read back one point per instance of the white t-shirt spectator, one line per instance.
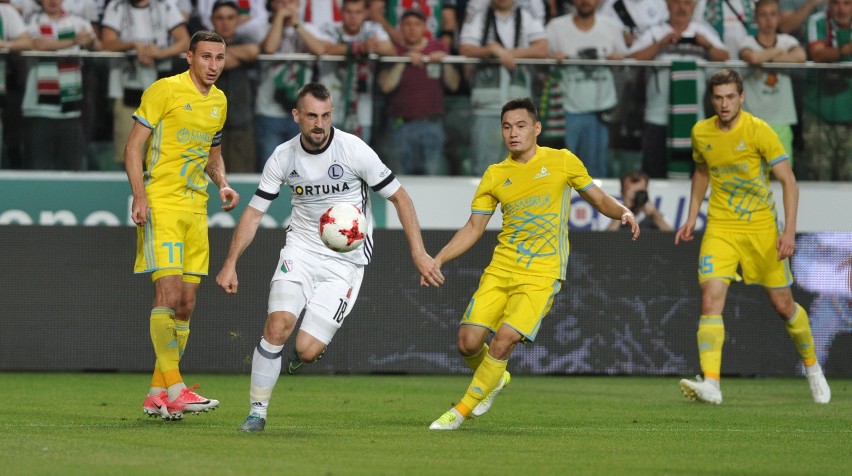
(586, 88)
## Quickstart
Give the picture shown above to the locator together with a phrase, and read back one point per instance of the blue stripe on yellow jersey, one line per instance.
(535, 200)
(183, 123)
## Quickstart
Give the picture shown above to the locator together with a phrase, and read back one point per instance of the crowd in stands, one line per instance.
(425, 115)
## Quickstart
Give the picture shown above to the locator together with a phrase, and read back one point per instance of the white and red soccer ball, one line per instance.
(342, 227)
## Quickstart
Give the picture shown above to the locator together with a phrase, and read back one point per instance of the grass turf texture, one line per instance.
(93, 424)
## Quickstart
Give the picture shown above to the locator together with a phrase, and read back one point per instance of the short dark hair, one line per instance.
(726, 76)
(317, 90)
(204, 35)
(634, 176)
(762, 3)
(224, 3)
(413, 12)
(520, 103)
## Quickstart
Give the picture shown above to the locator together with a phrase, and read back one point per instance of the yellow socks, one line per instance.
(181, 335)
(799, 328)
(158, 381)
(166, 348)
(474, 360)
(711, 337)
(486, 377)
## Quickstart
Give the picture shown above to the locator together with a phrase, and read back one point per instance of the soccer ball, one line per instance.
(342, 227)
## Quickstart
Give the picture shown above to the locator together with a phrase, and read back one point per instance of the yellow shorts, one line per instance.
(173, 242)
(517, 300)
(755, 253)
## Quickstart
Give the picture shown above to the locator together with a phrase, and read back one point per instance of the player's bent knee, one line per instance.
(279, 326)
(785, 309)
(501, 350)
(469, 345)
(311, 354)
(471, 338)
(782, 300)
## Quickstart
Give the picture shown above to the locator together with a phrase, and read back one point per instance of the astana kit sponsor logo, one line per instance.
(191, 135)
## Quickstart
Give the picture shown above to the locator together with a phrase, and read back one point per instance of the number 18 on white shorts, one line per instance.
(324, 286)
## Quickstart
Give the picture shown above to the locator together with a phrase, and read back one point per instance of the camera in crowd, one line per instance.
(588, 53)
(687, 40)
(640, 198)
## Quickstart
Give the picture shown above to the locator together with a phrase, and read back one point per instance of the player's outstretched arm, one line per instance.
(611, 207)
(464, 239)
(242, 238)
(430, 272)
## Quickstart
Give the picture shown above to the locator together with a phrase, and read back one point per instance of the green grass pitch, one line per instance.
(80, 423)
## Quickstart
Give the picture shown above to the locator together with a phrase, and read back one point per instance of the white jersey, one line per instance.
(339, 173)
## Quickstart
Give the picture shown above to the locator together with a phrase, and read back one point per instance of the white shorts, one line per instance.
(324, 287)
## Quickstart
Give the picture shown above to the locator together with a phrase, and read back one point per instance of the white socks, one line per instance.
(813, 369)
(265, 369)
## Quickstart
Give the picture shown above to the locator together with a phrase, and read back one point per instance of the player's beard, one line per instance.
(732, 118)
(315, 144)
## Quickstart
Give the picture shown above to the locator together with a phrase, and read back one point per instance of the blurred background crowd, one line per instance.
(618, 82)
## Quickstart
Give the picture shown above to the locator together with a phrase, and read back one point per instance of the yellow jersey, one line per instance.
(535, 199)
(739, 162)
(183, 125)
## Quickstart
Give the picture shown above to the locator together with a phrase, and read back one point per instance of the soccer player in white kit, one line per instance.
(322, 166)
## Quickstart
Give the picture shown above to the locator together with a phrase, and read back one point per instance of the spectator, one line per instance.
(794, 14)
(416, 98)
(279, 81)
(53, 98)
(541, 10)
(635, 16)
(152, 32)
(252, 21)
(449, 24)
(733, 20)
(321, 12)
(634, 195)
(440, 18)
(768, 92)
(505, 32)
(190, 14)
(26, 8)
(239, 82)
(87, 9)
(680, 38)
(13, 37)
(587, 91)
(828, 96)
(351, 81)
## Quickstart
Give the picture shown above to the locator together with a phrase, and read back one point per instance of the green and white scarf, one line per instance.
(60, 83)
(550, 106)
(683, 114)
(289, 78)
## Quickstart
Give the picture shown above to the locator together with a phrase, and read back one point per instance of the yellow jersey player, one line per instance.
(734, 153)
(178, 126)
(533, 187)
